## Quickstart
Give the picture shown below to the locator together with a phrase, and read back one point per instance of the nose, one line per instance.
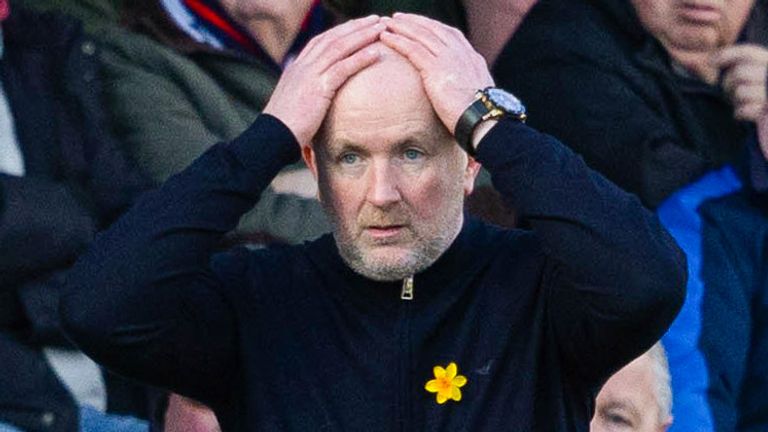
(383, 189)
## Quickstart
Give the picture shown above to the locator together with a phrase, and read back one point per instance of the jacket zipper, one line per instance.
(405, 409)
(407, 291)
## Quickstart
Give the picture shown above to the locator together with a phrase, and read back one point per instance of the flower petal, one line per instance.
(459, 381)
(441, 398)
(455, 394)
(439, 371)
(451, 370)
(432, 386)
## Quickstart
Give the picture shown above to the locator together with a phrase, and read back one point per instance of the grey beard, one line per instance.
(418, 260)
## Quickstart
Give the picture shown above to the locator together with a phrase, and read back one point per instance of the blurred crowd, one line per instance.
(101, 100)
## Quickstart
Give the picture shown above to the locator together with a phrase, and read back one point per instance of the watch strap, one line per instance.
(468, 121)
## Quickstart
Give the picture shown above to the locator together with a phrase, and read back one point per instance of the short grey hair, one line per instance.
(662, 384)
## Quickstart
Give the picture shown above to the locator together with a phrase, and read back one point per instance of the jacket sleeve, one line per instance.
(144, 301)
(607, 121)
(43, 227)
(165, 119)
(615, 279)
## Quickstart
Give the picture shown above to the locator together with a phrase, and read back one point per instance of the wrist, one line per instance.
(481, 131)
(490, 105)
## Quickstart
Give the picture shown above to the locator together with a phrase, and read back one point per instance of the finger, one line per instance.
(414, 51)
(418, 33)
(334, 33)
(744, 74)
(749, 112)
(443, 31)
(334, 51)
(749, 94)
(740, 53)
(341, 71)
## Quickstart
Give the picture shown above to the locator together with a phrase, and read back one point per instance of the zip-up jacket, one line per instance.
(291, 339)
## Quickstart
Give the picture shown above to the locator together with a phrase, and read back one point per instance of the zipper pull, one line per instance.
(407, 292)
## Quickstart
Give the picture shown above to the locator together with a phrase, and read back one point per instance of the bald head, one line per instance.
(387, 94)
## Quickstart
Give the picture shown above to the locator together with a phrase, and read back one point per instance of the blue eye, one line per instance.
(412, 154)
(349, 158)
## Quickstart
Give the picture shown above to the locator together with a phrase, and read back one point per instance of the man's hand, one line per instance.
(745, 72)
(452, 71)
(304, 93)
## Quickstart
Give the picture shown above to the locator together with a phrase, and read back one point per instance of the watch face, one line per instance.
(505, 101)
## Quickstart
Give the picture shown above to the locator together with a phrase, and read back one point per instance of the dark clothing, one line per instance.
(76, 182)
(593, 77)
(291, 338)
(717, 345)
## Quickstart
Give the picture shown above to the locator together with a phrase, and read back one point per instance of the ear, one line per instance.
(664, 426)
(470, 174)
(310, 158)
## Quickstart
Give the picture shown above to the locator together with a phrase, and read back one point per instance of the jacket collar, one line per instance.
(476, 243)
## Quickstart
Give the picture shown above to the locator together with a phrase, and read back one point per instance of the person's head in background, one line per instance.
(692, 31)
(637, 398)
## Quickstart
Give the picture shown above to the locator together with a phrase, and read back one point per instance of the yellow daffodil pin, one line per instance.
(447, 383)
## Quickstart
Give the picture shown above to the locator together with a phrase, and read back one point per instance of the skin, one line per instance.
(5, 10)
(700, 35)
(627, 402)
(493, 22)
(187, 415)
(390, 176)
(275, 24)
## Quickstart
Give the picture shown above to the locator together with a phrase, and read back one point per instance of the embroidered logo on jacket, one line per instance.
(447, 384)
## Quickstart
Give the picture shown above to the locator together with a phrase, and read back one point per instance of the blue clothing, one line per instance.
(5, 427)
(92, 420)
(291, 339)
(718, 344)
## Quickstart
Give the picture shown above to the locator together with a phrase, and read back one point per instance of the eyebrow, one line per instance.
(343, 146)
(623, 404)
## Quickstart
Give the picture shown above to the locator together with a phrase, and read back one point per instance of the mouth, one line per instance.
(698, 13)
(384, 232)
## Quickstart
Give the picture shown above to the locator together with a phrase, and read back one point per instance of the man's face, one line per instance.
(627, 402)
(694, 25)
(390, 176)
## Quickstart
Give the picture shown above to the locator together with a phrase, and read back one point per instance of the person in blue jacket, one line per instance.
(410, 316)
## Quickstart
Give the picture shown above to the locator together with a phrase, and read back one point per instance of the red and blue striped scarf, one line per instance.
(233, 36)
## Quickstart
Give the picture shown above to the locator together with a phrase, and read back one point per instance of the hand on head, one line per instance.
(744, 72)
(451, 70)
(305, 90)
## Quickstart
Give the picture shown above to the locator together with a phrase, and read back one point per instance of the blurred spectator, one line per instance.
(595, 76)
(62, 178)
(638, 398)
(659, 95)
(184, 74)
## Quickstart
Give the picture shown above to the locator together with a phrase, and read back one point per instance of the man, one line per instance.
(408, 316)
(662, 96)
(638, 398)
(62, 179)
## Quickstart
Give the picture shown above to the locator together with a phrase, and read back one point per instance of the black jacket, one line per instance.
(291, 339)
(76, 182)
(592, 76)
